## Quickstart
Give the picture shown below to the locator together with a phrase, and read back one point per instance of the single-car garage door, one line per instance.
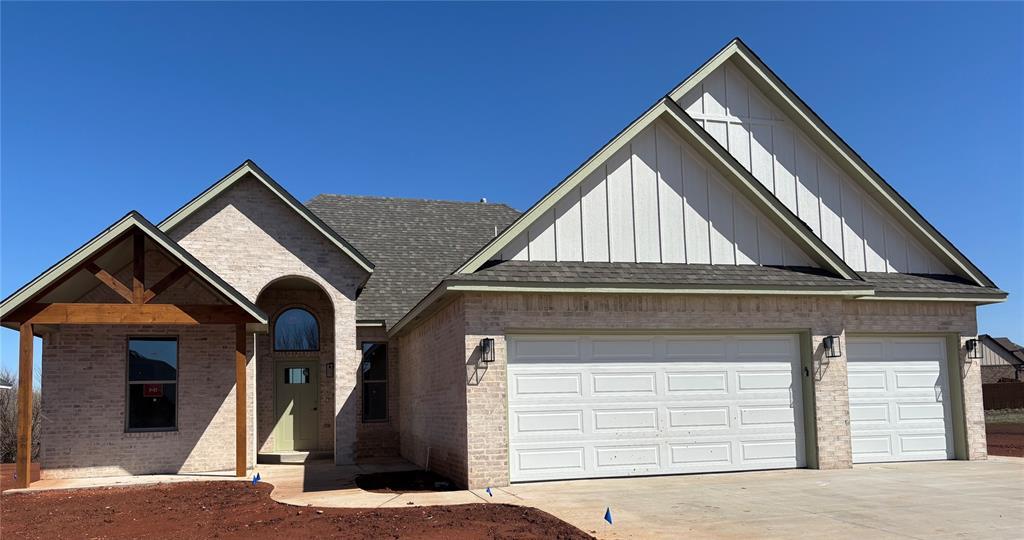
(597, 406)
(899, 399)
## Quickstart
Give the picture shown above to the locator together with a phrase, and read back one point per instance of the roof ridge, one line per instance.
(411, 199)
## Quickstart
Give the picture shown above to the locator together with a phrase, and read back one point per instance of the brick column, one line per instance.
(831, 402)
(974, 409)
(487, 413)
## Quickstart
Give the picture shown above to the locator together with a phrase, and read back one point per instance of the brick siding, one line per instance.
(84, 378)
(485, 449)
(378, 438)
(432, 385)
(250, 238)
(993, 374)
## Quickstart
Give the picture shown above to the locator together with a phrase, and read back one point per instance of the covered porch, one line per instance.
(113, 315)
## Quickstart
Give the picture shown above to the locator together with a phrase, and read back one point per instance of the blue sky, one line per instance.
(110, 107)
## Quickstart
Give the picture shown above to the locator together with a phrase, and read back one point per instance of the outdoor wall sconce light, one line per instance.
(833, 348)
(330, 370)
(973, 350)
(487, 349)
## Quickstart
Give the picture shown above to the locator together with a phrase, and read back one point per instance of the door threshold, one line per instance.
(297, 456)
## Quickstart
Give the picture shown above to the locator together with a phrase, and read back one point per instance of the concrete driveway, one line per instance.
(948, 499)
(941, 499)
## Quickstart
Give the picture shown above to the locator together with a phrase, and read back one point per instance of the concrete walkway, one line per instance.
(321, 483)
(945, 499)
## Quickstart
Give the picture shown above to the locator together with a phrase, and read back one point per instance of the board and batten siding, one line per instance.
(655, 200)
(809, 183)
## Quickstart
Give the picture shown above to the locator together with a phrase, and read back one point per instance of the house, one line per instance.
(724, 286)
(1000, 359)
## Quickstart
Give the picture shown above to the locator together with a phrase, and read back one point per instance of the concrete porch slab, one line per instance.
(121, 481)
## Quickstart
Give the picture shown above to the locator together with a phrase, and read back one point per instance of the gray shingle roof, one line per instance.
(639, 274)
(416, 244)
(413, 243)
(888, 284)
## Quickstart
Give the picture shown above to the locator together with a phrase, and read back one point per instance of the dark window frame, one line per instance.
(286, 309)
(384, 382)
(128, 382)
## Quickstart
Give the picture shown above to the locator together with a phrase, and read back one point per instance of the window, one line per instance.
(296, 330)
(374, 371)
(296, 375)
(152, 384)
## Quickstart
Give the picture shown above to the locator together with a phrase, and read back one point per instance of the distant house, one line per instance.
(1001, 359)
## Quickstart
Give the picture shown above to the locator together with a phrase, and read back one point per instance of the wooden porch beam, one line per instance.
(165, 283)
(110, 281)
(23, 467)
(137, 314)
(138, 268)
(241, 408)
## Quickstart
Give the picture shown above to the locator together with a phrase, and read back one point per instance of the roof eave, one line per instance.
(653, 288)
(978, 299)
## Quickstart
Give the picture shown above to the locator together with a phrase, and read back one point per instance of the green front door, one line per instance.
(296, 406)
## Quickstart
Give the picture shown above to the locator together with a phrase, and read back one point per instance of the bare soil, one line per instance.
(240, 510)
(8, 473)
(1005, 439)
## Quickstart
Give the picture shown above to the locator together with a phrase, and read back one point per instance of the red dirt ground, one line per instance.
(7, 471)
(1005, 439)
(241, 510)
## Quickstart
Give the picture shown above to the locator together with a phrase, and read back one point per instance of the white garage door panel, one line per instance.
(618, 406)
(899, 405)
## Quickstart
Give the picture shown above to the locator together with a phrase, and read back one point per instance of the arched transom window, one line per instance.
(296, 330)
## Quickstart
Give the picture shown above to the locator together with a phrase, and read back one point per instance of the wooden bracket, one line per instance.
(110, 281)
(165, 283)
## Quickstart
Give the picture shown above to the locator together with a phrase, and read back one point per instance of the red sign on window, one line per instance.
(152, 390)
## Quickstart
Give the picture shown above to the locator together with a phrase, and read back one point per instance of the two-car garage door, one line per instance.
(598, 406)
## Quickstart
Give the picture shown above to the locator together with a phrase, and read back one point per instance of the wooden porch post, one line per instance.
(241, 409)
(23, 467)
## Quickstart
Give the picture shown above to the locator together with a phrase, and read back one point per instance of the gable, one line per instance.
(249, 170)
(673, 117)
(880, 196)
(655, 201)
(251, 237)
(801, 175)
(68, 280)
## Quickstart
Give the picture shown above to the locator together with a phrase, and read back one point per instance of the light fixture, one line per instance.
(487, 349)
(973, 350)
(833, 348)
(330, 370)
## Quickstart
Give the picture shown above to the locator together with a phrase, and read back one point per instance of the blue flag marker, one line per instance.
(489, 492)
(255, 479)
(608, 515)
